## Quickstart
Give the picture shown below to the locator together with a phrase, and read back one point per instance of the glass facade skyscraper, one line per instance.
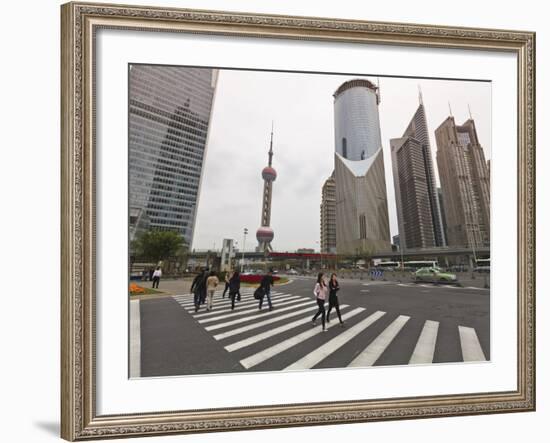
(356, 120)
(169, 116)
(418, 209)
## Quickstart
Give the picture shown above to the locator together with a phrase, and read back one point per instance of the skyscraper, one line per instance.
(328, 216)
(265, 233)
(169, 116)
(418, 212)
(464, 183)
(361, 201)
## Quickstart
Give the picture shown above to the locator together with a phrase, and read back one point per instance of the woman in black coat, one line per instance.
(333, 287)
(234, 287)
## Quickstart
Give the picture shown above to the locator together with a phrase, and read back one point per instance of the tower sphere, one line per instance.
(269, 174)
(265, 234)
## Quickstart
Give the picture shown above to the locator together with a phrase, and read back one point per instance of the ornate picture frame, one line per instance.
(80, 22)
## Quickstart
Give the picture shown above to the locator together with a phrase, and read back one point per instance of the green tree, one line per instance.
(159, 245)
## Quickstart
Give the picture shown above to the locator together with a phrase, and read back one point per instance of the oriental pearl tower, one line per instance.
(265, 234)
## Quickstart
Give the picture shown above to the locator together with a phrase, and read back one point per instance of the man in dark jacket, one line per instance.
(204, 288)
(266, 284)
(198, 287)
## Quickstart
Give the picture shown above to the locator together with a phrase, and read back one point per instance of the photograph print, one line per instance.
(294, 221)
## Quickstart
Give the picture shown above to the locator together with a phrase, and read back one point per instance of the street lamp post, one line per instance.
(245, 232)
(473, 241)
(320, 253)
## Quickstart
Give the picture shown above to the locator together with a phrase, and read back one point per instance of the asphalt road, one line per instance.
(385, 323)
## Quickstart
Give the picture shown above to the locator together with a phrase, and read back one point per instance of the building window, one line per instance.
(362, 226)
(344, 148)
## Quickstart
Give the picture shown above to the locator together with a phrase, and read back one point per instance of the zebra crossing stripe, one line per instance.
(262, 323)
(191, 304)
(188, 298)
(373, 351)
(266, 354)
(241, 304)
(257, 338)
(333, 345)
(471, 349)
(425, 347)
(216, 300)
(254, 317)
(283, 302)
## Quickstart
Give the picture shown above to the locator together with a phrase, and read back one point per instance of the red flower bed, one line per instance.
(255, 278)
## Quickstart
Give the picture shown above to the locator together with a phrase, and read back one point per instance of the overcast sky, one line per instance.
(301, 107)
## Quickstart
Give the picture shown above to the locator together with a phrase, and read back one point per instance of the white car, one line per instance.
(292, 272)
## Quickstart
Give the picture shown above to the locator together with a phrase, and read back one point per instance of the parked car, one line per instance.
(292, 272)
(434, 275)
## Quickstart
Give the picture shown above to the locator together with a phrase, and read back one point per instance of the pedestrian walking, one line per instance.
(203, 287)
(211, 285)
(266, 284)
(320, 292)
(234, 288)
(333, 287)
(228, 275)
(156, 277)
(151, 272)
(197, 288)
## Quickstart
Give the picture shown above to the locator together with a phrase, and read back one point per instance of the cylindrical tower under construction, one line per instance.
(356, 120)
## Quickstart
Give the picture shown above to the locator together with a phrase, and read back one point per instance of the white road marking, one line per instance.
(254, 317)
(263, 323)
(365, 290)
(135, 339)
(217, 300)
(189, 297)
(333, 345)
(425, 347)
(471, 348)
(240, 305)
(266, 354)
(235, 313)
(373, 351)
(257, 338)
(190, 304)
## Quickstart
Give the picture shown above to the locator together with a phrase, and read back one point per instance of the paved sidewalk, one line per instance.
(171, 286)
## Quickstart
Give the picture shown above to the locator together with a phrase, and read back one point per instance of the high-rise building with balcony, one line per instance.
(418, 211)
(362, 224)
(465, 184)
(328, 216)
(169, 116)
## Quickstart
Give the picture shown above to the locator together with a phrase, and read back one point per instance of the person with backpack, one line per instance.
(266, 284)
(234, 288)
(333, 287)
(320, 292)
(227, 278)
